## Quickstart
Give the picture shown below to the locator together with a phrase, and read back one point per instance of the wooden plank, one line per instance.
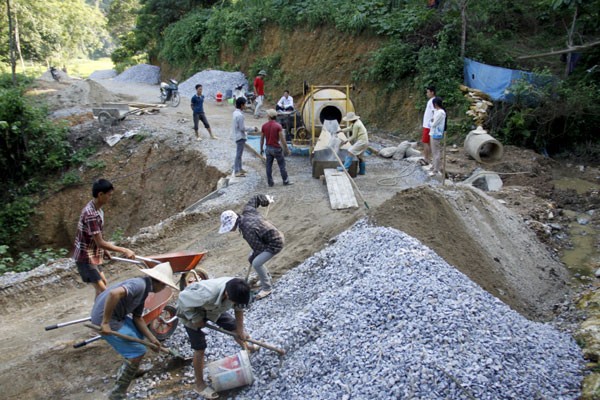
(340, 190)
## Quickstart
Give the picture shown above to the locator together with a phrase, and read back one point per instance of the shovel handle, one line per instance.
(131, 338)
(86, 342)
(257, 342)
(60, 325)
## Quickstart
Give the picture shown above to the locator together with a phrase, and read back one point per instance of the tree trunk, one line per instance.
(11, 45)
(463, 38)
(570, 40)
(18, 43)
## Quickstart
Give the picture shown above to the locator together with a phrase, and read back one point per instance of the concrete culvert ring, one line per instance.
(483, 147)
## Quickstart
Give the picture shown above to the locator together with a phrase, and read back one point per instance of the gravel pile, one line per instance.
(103, 74)
(213, 81)
(142, 73)
(377, 315)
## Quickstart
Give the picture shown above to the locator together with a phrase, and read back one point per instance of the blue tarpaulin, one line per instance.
(494, 80)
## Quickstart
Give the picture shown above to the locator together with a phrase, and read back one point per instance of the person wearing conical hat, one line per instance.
(111, 311)
(359, 139)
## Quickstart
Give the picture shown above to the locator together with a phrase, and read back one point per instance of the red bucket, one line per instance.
(219, 97)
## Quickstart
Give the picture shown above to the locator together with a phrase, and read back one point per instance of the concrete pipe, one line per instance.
(325, 104)
(483, 147)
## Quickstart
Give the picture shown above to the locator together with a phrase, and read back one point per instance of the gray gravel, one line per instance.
(377, 315)
(142, 73)
(213, 81)
(103, 74)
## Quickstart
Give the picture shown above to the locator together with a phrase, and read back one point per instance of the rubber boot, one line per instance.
(362, 168)
(125, 375)
(347, 163)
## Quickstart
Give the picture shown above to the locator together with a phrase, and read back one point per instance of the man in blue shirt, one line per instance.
(199, 115)
(120, 308)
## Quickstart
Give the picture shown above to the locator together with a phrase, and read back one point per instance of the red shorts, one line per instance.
(425, 138)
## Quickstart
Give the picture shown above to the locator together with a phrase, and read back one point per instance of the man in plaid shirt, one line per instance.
(90, 246)
(262, 236)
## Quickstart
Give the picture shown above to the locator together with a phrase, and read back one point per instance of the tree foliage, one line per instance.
(55, 30)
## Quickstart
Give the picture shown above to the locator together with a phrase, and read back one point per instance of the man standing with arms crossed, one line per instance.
(90, 246)
(259, 89)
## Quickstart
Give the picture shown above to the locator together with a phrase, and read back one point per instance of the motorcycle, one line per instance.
(169, 92)
(249, 96)
(54, 73)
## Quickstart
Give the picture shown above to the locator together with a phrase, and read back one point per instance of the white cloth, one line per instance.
(428, 114)
(285, 103)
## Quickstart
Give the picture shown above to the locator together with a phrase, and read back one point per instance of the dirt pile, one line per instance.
(485, 241)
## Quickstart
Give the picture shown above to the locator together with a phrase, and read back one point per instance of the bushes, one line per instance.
(30, 144)
(31, 149)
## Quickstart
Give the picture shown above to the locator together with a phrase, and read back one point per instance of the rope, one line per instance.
(404, 172)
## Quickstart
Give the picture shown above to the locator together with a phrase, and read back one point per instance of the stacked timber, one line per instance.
(480, 104)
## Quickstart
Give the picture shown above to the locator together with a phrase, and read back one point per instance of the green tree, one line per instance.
(122, 17)
(54, 30)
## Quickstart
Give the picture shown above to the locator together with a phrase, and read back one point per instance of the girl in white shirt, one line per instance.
(438, 129)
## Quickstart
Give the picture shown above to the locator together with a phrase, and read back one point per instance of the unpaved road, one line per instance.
(38, 364)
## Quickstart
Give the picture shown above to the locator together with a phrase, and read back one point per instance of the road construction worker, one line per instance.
(262, 236)
(209, 300)
(111, 312)
(259, 90)
(359, 139)
(90, 247)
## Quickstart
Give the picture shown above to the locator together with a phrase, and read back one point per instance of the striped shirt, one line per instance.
(90, 223)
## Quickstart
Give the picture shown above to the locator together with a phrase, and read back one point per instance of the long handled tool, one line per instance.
(257, 342)
(146, 343)
(87, 341)
(351, 180)
(62, 324)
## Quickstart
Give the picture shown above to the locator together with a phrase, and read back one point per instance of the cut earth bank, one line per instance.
(486, 241)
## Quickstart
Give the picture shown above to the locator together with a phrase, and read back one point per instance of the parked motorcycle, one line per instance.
(249, 96)
(54, 73)
(169, 92)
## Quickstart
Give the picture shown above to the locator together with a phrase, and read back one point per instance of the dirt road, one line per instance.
(39, 364)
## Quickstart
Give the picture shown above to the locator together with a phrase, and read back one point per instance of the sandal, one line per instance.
(207, 393)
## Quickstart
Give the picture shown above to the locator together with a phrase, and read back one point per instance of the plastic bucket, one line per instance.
(219, 97)
(230, 372)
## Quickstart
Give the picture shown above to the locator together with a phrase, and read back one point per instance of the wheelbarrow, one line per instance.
(160, 317)
(110, 114)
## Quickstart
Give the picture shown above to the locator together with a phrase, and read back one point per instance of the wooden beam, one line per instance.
(564, 51)
(340, 190)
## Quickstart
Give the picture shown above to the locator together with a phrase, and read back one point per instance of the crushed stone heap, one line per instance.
(213, 81)
(141, 73)
(378, 315)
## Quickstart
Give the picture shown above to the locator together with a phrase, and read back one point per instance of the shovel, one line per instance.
(257, 342)
(62, 324)
(146, 343)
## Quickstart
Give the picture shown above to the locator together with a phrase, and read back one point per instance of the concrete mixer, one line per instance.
(321, 103)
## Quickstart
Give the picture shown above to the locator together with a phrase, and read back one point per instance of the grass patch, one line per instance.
(81, 68)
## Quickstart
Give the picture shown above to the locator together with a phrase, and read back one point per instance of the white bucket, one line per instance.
(230, 372)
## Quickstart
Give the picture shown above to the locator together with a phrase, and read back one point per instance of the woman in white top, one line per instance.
(438, 129)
